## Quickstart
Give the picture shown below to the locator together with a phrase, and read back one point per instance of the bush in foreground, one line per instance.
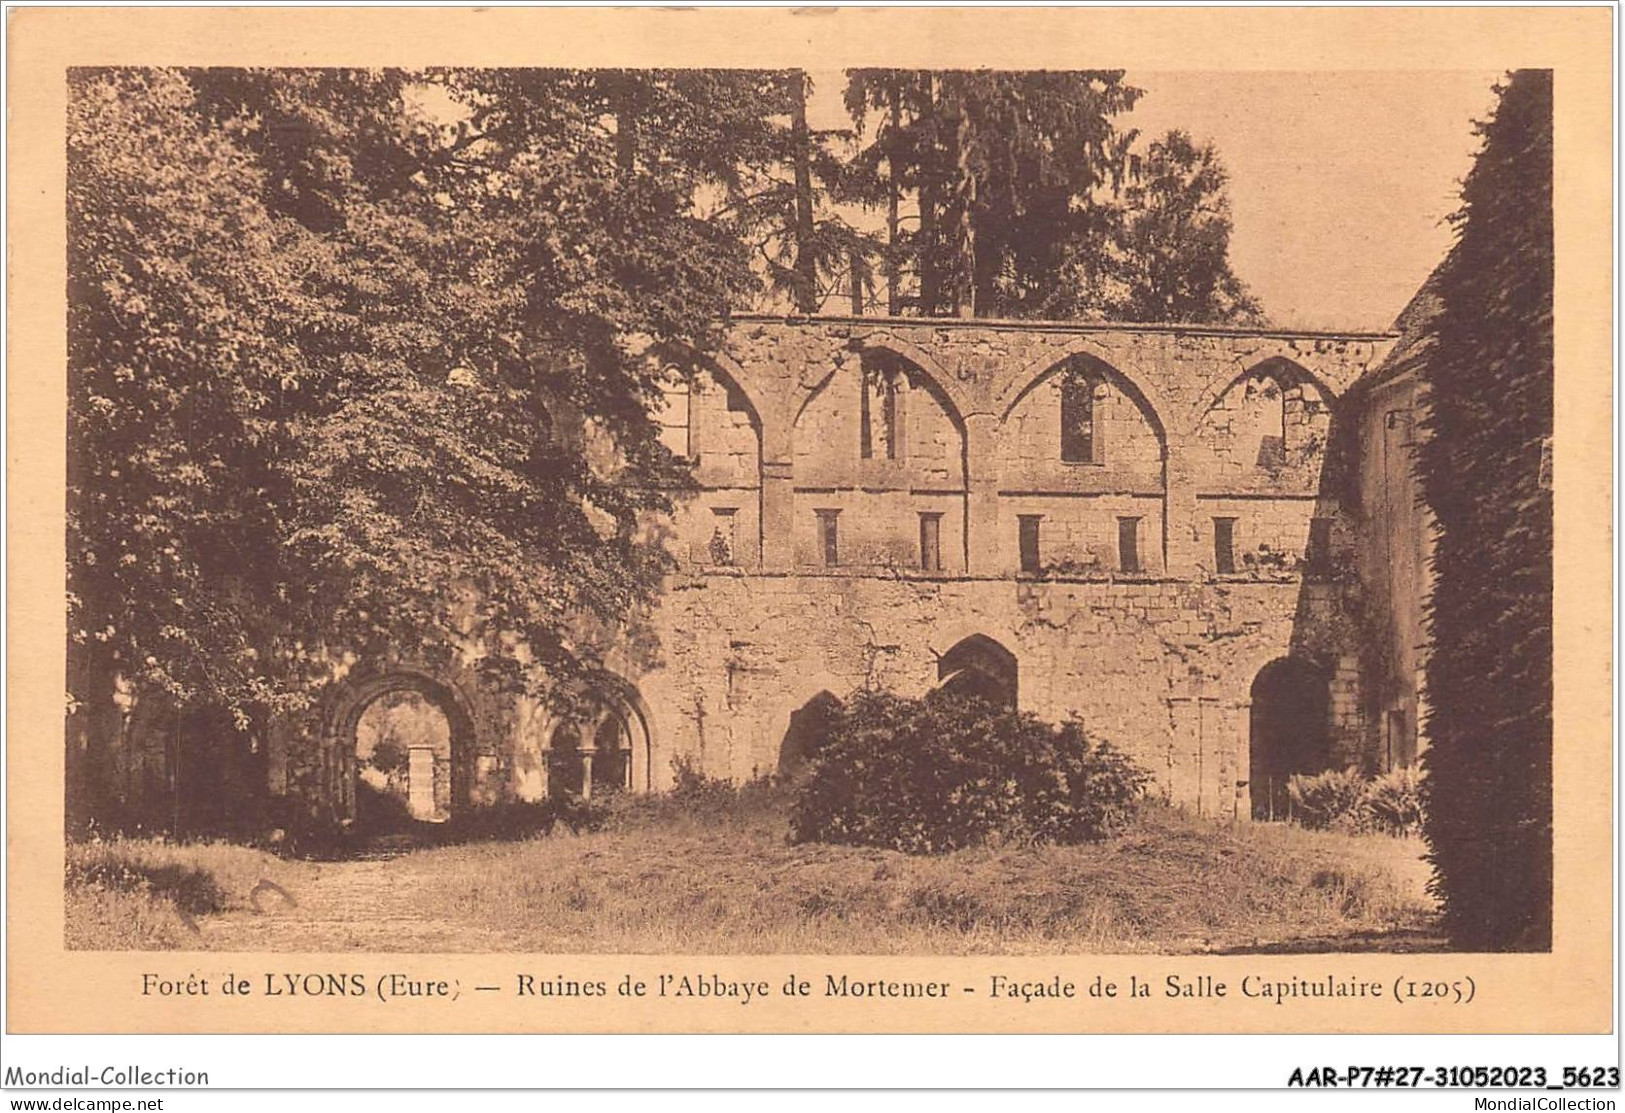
(1344, 800)
(945, 772)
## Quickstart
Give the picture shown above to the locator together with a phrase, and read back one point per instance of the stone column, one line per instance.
(586, 772)
(982, 541)
(1242, 740)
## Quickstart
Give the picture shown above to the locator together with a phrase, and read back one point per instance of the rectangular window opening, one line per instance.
(931, 542)
(829, 536)
(722, 547)
(1028, 532)
(1224, 545)
(1128, 544)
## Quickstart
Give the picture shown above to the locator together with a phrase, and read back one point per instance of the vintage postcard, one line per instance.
(769, 520)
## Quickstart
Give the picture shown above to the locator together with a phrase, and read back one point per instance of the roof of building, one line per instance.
(1416, 338)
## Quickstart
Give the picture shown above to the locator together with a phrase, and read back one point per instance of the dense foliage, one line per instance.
(944, 772)
(1346, 800)
(1030, 201)
(1488, 371)
(326, 354)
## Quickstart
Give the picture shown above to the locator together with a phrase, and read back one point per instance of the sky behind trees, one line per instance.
(1339, 182)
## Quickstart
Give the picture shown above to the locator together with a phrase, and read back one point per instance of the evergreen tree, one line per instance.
(1030, 202)
(1171, 250)
(1489, 374)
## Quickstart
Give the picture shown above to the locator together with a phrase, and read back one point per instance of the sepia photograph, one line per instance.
(762, 511)
(739, 521)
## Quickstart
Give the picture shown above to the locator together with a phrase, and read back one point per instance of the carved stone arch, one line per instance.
(981, 665)
(1146, 395)
(1241, 673)
(781, 722)
(764, 413)
(942, 638)
(949, 388)
(1252, 364)
(356, 693)
(617, 696)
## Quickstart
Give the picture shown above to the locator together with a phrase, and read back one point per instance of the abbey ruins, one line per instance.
(1202, 541)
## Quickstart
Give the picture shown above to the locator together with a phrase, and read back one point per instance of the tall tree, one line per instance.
(1012, 173)
(1489, 376)
(317, 338)
(1171, 249)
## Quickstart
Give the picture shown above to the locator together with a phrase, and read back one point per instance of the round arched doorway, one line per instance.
(406, 743)
(1287, 732)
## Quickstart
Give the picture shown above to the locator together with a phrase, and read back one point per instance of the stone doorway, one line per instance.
(1287, 732)
(403, 762)
(810, 725)
(405, 744)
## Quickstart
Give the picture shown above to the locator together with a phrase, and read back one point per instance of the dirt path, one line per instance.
(361, 905)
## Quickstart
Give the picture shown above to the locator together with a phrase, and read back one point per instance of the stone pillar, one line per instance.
(420, 781)
(586, 773)
(778, 515)
(1182, 525)
(982, 541)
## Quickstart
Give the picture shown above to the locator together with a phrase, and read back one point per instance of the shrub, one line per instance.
(944, 772)
(696, 791)
(1333, 800)
(1346, 801)
(1394, 802)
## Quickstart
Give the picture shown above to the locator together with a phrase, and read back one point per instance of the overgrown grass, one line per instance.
(712, 871)
(145, 894)
(727, 881)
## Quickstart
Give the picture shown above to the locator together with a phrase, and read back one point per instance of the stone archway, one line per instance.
(806, 732)
(1287, 732)
(404, 746)
(982, 668)
(599, 742)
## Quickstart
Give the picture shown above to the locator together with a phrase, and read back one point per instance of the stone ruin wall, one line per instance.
(1193, 425)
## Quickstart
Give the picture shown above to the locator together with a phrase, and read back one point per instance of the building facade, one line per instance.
(1160, 530)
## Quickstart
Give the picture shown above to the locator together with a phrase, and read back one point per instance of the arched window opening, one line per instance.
(979, 668)
(600, 746)
(612, 756)
(566, 772)
(880, 409)
(1287, 732)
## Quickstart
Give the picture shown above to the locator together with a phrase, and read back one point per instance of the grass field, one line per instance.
(724, 880)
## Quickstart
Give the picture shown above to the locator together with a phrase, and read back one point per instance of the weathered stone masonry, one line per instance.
(1137, 525)
(1189, 426)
